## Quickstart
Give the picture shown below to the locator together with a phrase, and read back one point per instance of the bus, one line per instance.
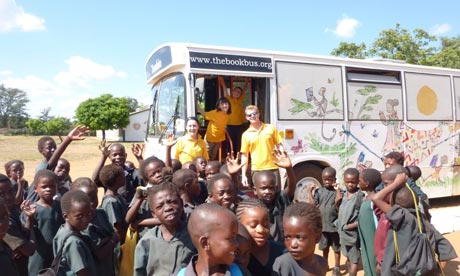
(329, 111)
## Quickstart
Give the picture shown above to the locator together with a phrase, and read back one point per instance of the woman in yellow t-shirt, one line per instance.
(189, 146)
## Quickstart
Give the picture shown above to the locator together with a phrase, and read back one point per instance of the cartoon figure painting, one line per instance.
(393, 137)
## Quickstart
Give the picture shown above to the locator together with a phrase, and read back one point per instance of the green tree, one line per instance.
(103, 113)
(45, 115)
(36, 126)
(350, 50)
(58, 126)
(449, 56)
(12, 105)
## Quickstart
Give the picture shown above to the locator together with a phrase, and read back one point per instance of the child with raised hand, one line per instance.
(222, 191)
(7, 263)
(113, 177)
(15, 171)
(348, 219)
(19, 238)
(47, 220)
(266, 190)
(216, 130)
(302, 231)
(165, 248)
(100, 232)
(369, 179)
(253, 215)
(324, 198)
(213, 230)
(77, 258)
(187, 183)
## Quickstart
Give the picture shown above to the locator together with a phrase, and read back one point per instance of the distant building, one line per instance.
(135, 131)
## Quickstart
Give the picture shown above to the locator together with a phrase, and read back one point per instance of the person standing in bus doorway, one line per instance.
(236, 121)
(259, 140)
(216, 130)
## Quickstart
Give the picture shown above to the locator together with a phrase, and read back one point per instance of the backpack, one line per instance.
(234, 271)
(419, 257)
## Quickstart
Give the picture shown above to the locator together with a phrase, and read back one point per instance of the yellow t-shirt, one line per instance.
(237, 116)
(216, 127)
(260, 143)
(188, 149)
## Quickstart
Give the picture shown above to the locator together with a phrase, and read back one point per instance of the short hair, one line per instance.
(351, 171)
(45, 174)
(5, 179)
(372, 176)
(145, 163)
(109, 175)
(251, 107)
(247, 204)
(189, 165)
(214, 163)
(117, 145)
(391, 172)
(10, 163)
(396, 156)
(329, 170)
(224, 100)
(42, 141)
(155, 189)
(218, 176)
(82, 182)
(404, 198)
(176, 164)
(63, 160)
(414, 172)
(267, 173)
(243, 232)
(183, 176)
(71, 197)
(308, 212)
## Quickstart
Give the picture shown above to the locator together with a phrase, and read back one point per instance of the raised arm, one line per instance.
(104, 148)
(282, 160)
(75, 134)
(379, 198)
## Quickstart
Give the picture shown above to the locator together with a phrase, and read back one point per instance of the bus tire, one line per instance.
(306, 175)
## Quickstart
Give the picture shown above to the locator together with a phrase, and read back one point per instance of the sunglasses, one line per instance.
(252, 114)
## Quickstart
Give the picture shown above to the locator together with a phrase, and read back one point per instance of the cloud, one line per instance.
(13, 16)
(346, 27)
(440, 29)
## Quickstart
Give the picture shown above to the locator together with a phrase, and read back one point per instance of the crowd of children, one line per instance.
(191, 218)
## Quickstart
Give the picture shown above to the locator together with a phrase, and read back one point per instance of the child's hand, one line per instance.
(400, 179)
(282, 159)
(137, 150)
(170, 140)
(232, 162)
(104, 148)
(28, 209)
(78, 132)
(311, 188)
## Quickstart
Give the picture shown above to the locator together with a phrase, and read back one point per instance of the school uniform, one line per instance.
(367, 225)
(116, 209)
(276, 211)
(156, 256)
(47, 223)
(76, 253)
(25, 188)
(7, 265)
(16, 237)
(144, 212)
(348, 213)
(325, 200)
(257, 269)
(189, 270)
(100, 229)
(286, 265)
(132, 181)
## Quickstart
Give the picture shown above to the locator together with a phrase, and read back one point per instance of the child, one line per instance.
(369, 179)
(243, 253)
(215, 132)
(253, 215)
(266, 190)
(188, 186)
(404, 222)
(48, 218)
(221, 191)
(19, 238)
(302, 231)
(189, 146)
(117, 155)
(212, 168)
(62, 171)
(213, 230)
(100, 232)
(7, 264)
(200, 164)
(76, 253)
(324, 199)
(15, 171)
(165, 248)
(113, 177)
(348, 219)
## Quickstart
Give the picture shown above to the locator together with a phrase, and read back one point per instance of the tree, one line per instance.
(58, 126)
(45, 115)
(103, 113)
(12, 104)
(449, 56)
(36, 126)
(350, 50)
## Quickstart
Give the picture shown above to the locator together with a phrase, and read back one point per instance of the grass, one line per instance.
(82, 155)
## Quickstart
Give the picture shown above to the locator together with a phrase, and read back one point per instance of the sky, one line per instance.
(64, 52)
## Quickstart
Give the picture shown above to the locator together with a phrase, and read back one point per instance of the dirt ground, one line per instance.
(84, 155)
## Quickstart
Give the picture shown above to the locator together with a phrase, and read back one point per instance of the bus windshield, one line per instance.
(168, 108)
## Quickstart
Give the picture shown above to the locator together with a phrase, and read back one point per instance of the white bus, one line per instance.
(330, 111)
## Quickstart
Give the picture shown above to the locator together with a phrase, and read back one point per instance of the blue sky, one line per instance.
(64, 52)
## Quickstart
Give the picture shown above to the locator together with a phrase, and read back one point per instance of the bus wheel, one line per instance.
(306, 174)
